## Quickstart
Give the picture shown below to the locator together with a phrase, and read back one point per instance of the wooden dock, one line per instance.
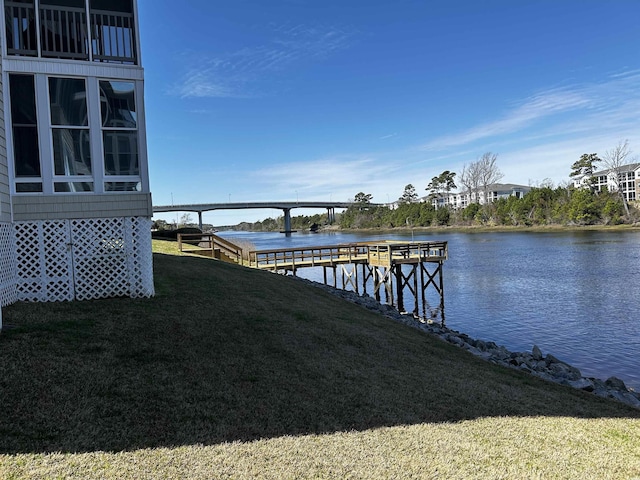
(388, 269)
(415, 267)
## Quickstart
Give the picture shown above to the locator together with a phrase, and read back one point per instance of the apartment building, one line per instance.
(627, 178)
(495, 191)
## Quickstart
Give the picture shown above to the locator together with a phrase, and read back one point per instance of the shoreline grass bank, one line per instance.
(234, 373)
(489, 229)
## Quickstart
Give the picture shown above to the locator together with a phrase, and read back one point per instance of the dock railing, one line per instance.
(293, 258)
(373, 253)
(401, 252)
(208, 243)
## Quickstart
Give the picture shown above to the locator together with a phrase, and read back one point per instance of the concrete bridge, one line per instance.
(286, 207)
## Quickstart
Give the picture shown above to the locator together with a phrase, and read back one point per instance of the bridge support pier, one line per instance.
(287, 221)
(200, 220)
(331, 215)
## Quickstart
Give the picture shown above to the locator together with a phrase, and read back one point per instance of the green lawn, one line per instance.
(234, 373)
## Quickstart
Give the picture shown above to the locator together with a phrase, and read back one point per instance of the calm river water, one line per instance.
(574, 294)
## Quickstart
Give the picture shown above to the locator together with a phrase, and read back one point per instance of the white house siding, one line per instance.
(61, 67)
(7, 253)
(54, 207)
(5, 208)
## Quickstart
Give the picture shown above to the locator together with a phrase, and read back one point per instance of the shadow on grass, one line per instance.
(224, 354)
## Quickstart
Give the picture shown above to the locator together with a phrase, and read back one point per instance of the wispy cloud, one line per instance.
(339, 177)
(231, 74)
(587, 108)
(539, 138)
(198, 84)
(534, 109)
(384, 137)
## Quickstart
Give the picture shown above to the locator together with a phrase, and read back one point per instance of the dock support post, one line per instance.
(384, 279)
(435, 279)
(416, 309)
(376, 284)
(365, 276)
(441, 292)
(399, 287)
(424, 300)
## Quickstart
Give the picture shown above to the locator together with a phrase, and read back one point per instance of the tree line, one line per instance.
(542, 205)
(545, 204)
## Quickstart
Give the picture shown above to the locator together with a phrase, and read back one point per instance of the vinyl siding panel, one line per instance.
(51, 207)
(72, 67)
(5, 208)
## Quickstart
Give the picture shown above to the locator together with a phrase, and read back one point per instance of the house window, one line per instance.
(73, 135)
(24, 125)
(119, 135)
(69, 130)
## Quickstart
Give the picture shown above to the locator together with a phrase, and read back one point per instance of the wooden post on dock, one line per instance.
(399, 285)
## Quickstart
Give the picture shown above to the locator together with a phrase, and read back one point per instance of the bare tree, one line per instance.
(488, 172)
(470, 179)
(615, 160)
(185, 220)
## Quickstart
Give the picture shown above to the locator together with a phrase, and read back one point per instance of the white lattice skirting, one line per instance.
(83, 259)
(8, 293)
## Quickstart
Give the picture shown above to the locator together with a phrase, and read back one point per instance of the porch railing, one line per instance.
(64, 33)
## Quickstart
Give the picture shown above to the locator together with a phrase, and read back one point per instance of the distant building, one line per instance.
(75, 203)
(456, 200)
(629, 181)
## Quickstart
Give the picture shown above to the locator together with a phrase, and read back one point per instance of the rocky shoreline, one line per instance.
(535, 363)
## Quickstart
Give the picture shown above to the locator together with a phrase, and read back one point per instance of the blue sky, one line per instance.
(318, 100)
